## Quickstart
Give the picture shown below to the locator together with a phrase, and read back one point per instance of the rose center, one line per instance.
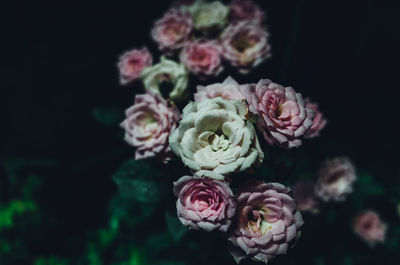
(242, 41)
(218, 142)
(257, 222)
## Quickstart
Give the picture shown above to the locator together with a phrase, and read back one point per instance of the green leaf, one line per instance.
(175, 227)
(138, 180)
(108, 116)
(367, 186)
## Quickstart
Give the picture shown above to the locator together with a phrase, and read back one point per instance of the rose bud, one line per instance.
(246, 10)
(319, 122)
(304, 195)
(204, 203)
(370, 228)
(167, 78)
(208, 16)
(229, 90)
(245, 45)
(282, 115)
(172, 31)
(148, 124)
(267, 222)
(214, 138)
(132, 63)
(335, 179)
(202, 58)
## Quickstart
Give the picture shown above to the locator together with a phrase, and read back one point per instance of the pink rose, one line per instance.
(318, 122)
(246, 10)
(303, 194)
(172, 31)
(132, 63)
(148, 124)
(245, 45)
(282, 115)
(204, 203)
(229, 90)
(370, 227)
(202, 58)
(267, 222)
(335, 179)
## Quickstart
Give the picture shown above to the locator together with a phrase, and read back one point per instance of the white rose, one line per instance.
(167, 71)
(214, 139)
(207, 15)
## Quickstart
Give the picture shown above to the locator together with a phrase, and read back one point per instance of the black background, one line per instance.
(60, 62)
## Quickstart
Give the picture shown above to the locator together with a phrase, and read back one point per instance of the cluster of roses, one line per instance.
(216, 139)
(335, 179)
(202, 35)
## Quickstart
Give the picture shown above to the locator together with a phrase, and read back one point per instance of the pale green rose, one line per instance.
(168, 73)
(214, 138)
(208, 15)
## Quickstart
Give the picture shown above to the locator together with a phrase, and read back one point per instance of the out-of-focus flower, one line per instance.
(204, 203)
(335, 179)
(319, 122)
(132, 63)
(166, 74)
(202, 57)
(148, 124)
(304, 195)
(172, 31)
(245, 45)
(208, 15)
(229, 90)
(246, 10)
(268, 222)
(370, 227)
(282, 115)
(214, 139)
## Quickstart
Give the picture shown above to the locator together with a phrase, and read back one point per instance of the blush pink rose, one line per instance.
(246, 10)
(202, 57)
(282, 115)
(132, 63)
(304, 195)
(319, 122)
(267, 222)
(245, 45)
(335, 179)
(204, 203)
(148, 124)
(172, 31)
(229, 90)
(370, 227)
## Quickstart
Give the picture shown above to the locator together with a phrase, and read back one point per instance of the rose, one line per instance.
(267, 222)
(229, 90)
(202, 58)
(335, 179)
(370, 227)
(319, 122)
(304, 195)
(204, 203)
(282, 115)
(246, 10)
(214, 139)
(172, 31)
(208, 15)
(166, 73)
(132, 63)
(245, 45)
(148, 124)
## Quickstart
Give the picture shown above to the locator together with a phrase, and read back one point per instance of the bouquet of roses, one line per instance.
(221, 134)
